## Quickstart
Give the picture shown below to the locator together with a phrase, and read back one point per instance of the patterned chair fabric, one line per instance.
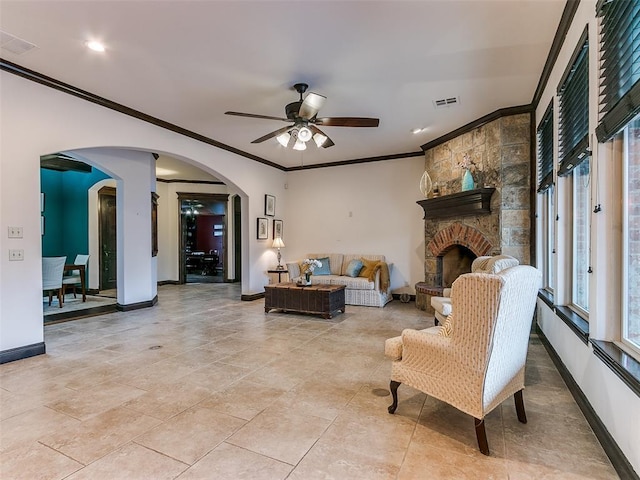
(482, 362)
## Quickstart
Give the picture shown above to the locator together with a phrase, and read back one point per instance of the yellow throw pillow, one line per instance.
(369, 268)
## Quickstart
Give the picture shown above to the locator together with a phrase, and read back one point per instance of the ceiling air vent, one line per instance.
(14, 44)
(446, 102)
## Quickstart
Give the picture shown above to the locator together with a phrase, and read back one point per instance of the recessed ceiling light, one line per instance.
(95, 46)
(415, 131)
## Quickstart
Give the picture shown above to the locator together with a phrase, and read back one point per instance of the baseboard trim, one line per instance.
(137, 306)
(74, 315)
(611, 448)
(168, 282)
(19, 353)
(252, 297)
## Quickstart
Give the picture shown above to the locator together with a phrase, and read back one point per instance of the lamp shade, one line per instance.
(278, 243)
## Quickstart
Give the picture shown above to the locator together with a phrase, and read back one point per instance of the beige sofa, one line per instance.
(359, 290)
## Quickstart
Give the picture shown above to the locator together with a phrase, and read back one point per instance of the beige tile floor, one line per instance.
(204, 386)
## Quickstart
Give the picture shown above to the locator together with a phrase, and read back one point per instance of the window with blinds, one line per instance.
(545, 150)
(573, 99)
(619, 65)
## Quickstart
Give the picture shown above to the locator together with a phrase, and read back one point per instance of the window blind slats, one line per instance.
(619, 94)
(573, 94)
(545, 150)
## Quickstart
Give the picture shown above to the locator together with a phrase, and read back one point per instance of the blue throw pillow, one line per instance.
(325, 269)
(353, 269)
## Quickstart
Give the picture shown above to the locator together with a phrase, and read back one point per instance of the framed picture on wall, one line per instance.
(278, 225)
(41, 202)
(263, 228)
(269, 205)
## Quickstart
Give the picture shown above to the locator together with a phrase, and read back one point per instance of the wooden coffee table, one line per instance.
(322, 300)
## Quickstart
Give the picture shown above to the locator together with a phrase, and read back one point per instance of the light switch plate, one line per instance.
(15, 232)
(16, 255)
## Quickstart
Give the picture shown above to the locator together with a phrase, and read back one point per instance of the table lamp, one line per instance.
(278, 243)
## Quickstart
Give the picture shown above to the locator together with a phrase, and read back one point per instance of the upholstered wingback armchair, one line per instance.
(479, 361)
(486, 264)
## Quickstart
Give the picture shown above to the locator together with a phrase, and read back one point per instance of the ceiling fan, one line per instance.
(303, 114)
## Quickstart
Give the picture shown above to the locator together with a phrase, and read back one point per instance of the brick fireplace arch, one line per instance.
(459, 234)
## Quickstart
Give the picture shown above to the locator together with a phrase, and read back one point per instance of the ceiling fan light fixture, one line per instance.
(283, 139)
(304, 134)
(95, 46)
(299, 145)
(319, 139)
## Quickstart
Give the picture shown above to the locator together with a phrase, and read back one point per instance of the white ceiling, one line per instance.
(187, 62)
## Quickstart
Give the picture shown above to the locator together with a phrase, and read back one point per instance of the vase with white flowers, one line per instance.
(467, 164)
(309, 265)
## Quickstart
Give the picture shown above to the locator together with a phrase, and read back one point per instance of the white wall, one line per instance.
(616, 405)
(362, 208)
(36, 120)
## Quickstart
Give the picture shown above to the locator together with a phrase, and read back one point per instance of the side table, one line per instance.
(279, 272)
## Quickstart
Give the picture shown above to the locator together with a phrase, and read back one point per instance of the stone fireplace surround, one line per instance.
(501, 151)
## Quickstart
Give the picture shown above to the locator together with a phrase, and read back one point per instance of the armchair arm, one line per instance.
(425, 351)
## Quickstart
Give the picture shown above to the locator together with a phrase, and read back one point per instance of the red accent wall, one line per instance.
(205, 241)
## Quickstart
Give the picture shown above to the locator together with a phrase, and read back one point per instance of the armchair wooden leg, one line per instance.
(393, 386)
(481, 435)
(50, 297)
(522, 416)
(60, 297)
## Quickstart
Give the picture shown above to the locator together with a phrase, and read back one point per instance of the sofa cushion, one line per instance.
(322, 279)
(357, 283)
(442, 305)
(325, 269)
(354, 268)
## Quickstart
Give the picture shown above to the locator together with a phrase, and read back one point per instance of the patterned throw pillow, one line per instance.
(325, 269)
(353, 269)
(369, 268)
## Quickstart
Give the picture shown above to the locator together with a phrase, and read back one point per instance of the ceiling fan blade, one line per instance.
(328, 142)
(272, 134)
(310, 106)
(347, 122)
(253, 115)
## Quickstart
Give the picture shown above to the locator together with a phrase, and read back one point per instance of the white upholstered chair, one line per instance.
(52, 270)
(480, 360)
(486, 264)
(74, 279)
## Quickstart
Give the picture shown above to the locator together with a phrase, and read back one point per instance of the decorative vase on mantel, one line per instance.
(307, 277)
(467, 180)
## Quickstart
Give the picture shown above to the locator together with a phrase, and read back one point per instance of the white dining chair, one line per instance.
(52, 270)
(74, 278)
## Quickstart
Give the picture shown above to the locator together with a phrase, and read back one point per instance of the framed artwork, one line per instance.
(269, 205)
(41, 202)
(277, 228)
(263, 228)
(41, 224)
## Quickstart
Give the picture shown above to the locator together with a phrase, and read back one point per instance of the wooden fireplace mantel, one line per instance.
(471, 202)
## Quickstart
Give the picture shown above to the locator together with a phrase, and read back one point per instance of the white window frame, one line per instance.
(548, 239)
(574, 239)
(625, 244)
